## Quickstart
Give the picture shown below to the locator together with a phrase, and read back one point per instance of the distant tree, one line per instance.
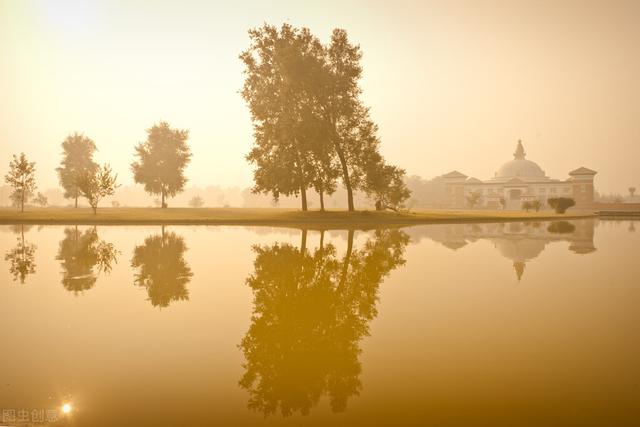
(632, 191)
(41, 200)
(473, 198)
(535, 204)
(503, 202)
(196, 202)
(162, 159)
(385, 184)
(115, 204)
(526, 205)
(96, 185)
(561, 204)
(77, 160)
(618, 199)
(21, 177)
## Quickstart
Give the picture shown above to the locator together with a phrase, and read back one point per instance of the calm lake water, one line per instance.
(519, 324)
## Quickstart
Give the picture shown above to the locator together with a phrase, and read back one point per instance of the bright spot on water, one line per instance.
(66, 408)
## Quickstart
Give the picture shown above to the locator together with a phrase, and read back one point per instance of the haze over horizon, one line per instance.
(451, 86)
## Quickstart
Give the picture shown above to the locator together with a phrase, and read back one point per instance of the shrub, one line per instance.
(561, 204)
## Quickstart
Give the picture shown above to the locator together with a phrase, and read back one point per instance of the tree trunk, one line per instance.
(162, 205)
(303, 242)
(76, 205)
(321, 240)
(22, 200)
(321, 201)
(347, 259)
(345, 174)
(303, 194)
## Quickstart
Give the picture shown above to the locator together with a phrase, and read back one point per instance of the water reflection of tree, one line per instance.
(310, 312)
(163, 270)
(22, 257)
(83, 256)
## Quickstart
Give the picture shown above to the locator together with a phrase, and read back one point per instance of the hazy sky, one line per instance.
(451, 84)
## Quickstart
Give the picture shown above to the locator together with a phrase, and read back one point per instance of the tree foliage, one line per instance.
(162, 159)
(310, 126)
(77, 161)
(83, 256)
(311, 310)
(98, 184)
(561, 204)
(21, 258)
(196, 202)
(21, 177)
(473, 199)
(41, 200)
(163, 271)
(385, 184)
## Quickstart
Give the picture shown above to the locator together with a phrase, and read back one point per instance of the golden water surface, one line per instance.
(514, 324)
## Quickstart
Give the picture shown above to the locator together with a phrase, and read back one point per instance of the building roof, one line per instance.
(520, 167)
(454, 174)
(473, 180)
(583, 171)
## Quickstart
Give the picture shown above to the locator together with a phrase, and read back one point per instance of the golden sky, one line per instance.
(452, 84)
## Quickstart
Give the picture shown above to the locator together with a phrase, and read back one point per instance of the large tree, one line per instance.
(77, 161)
(97, 184)
(21, 177)
(310, 123)
(281, 65)
(162, 159)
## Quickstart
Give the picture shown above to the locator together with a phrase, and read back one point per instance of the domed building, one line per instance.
(515, 182)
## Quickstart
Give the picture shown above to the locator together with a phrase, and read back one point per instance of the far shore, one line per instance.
(269, 216)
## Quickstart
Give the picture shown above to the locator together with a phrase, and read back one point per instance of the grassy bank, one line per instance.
(265, 216)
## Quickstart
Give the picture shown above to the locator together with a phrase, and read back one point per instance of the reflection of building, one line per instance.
(517, 181)
(520, 242)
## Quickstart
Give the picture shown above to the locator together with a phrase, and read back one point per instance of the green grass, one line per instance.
(265, 216)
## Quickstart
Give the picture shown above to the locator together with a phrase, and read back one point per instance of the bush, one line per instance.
(561, 204)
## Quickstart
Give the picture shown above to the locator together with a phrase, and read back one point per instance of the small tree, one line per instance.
(526, 205)
(94, 186)
(503, 202)
(41, 200)
(632, 191)
(196, 202)
(535, 204)
(473, 198)
(386, 185)
(161, 161)
(561, 204)
(21, 177)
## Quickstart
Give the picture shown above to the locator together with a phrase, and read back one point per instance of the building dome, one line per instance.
(520, 167)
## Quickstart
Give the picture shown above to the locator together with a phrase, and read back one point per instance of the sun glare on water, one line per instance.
(66, 408)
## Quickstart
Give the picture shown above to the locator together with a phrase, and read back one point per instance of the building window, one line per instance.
(541, 191)
(552, 190)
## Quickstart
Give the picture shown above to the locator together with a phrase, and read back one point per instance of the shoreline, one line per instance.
(270, 217)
